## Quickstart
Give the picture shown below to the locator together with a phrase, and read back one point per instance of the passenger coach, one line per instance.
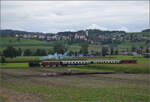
(80, 62)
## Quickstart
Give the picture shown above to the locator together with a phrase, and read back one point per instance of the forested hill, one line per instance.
(90, 31)
(146, 30)
(13, 32)
(96, 31)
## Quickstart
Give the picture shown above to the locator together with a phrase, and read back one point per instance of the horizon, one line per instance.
(53, 16)
(69, 31)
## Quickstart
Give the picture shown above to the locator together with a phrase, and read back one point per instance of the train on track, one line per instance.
(79, 62)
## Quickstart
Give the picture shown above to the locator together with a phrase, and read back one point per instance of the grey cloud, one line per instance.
(59, 16)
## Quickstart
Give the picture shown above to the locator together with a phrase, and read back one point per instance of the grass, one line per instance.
(130, 68)
(14, 65)
(12, 40)
(31, 44)
(81, 89)
(22, 59)
(23, 43)
(3, 99)
(129, 45)
(74, 47)
(142, 65)
(91, 69)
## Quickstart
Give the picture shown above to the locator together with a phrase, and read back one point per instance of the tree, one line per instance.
(97, 53)
(37, 53)
(139, 51)
(116, 52)
(71, 53)
(50, 51)
(133, 49)
(19, 52)
(43, 52)
(10, 51)
(147, 42)
(147, 50)
(92, 52)
(18, 39)
(76, 53)
(127, 50)
(104, 51)
(141, 47)
(27, 52)
(10, 41)
(59, 48)
(112, 51)
(2, 59)
(1, 53)
(84, 49)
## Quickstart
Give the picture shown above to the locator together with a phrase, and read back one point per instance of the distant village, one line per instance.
(92, 36)
(81, 35)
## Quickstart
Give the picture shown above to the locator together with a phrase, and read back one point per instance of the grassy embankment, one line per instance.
(142, 65)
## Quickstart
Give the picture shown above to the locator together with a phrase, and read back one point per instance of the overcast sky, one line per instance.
(55, 16)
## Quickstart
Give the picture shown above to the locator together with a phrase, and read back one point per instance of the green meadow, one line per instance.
(78, 93)
(47, 45)
(142, 65)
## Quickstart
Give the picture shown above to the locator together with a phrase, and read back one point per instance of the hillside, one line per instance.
(32, 44)
(96, 38)
(21, 43)
(16, 41)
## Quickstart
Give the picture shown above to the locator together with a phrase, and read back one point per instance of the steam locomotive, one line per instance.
(81, 62)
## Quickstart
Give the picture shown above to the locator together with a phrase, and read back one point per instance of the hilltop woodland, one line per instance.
(91, 42)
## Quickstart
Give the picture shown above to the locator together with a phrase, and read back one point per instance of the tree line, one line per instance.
(61, 48)
(12, 52)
